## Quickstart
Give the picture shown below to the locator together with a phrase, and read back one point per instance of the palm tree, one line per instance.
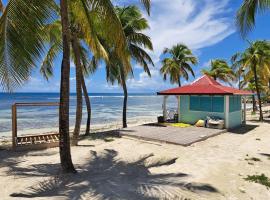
(64, 144)
(133, 24)
(1, 6)
(256, 59)
(220, 70)
(247, 13)
(238, 69)
(18, 57)
(178, 64)
(53, 34)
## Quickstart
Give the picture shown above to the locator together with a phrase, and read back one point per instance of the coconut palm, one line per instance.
(133, 24)
(238, 69)
(178, 63)
(220, 70)
(25, 19)
(256, 60)
(80, 56)
(1, 7)
(247, 13)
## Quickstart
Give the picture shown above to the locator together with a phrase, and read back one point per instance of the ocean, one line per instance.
(106, 109)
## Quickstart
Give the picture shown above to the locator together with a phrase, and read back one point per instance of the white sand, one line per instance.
(213, 169)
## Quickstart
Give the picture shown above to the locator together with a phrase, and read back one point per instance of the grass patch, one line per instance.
(253, 159)
(261, 179)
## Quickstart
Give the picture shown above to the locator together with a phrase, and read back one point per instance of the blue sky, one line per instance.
(206, 26)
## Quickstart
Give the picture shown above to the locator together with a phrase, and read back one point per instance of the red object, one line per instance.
(205, 85)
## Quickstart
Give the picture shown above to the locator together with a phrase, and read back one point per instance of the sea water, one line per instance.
(106, 109)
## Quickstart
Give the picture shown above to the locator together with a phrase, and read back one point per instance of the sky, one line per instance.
(205, 26)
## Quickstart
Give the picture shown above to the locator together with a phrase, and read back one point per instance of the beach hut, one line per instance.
(205, 97)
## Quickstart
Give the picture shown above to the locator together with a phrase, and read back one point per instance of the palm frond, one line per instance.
(147, 5)
(46, 68)
(245, 19)
(1, 7)
(21, 41)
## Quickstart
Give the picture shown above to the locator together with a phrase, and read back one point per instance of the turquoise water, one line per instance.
(106, 108)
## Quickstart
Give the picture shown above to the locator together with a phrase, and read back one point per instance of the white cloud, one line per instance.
(196, 23)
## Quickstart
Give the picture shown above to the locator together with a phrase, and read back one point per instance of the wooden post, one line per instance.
(164, 108)
(14, 125)
(227, 111)
(178, 108)
(245, 110)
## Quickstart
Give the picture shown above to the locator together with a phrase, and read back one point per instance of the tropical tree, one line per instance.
(81, 58)
(256, 60)
(246, 14)
(238, 69)
(133, 24)
(220, 70)
(178, 63)
(25, 19)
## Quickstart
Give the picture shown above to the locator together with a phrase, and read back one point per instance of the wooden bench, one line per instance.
(41, 141)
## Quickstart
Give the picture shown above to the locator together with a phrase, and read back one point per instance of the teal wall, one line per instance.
(191, 117)
(235, 119)
(235, 115)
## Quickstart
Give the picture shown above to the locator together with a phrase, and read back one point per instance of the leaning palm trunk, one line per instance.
(78, 120)
(254, 102)
(179, 81)
(124, 86)
(64, 143)
(88, 107)
(258, 92)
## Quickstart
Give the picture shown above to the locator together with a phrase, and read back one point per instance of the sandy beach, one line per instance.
(125, 168)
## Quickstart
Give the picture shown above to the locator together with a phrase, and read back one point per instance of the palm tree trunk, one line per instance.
(64, 142)
(254, 103)
(88, 107)
(258, 92)
(78, 69)
(179, 81)
(124, 86)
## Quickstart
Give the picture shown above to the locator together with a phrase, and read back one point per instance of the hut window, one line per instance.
(195, 103)
(218, 104)
(207, 103)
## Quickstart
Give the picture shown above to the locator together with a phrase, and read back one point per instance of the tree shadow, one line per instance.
(106, 177)
(243, 129)
(14, 160)
(265, 154)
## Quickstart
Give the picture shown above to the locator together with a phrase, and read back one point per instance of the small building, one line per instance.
(206, 97)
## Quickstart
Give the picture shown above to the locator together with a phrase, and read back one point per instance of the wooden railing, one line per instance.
(46, 140)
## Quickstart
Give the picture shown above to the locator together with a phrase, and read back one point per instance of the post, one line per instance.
(164, 107)
(178, 108)
(227, 111)
(14, 125)
(245, 110)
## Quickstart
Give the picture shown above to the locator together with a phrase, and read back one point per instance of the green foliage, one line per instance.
(178, 63)
(246, 14)
(261, 179)
(220, 70)
(133, 24)
(21, 39)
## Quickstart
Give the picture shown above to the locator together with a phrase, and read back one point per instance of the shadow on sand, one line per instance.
(243, 129)
(106, 177)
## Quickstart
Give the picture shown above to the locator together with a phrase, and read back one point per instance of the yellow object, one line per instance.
(180, 125)
(200, 123)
